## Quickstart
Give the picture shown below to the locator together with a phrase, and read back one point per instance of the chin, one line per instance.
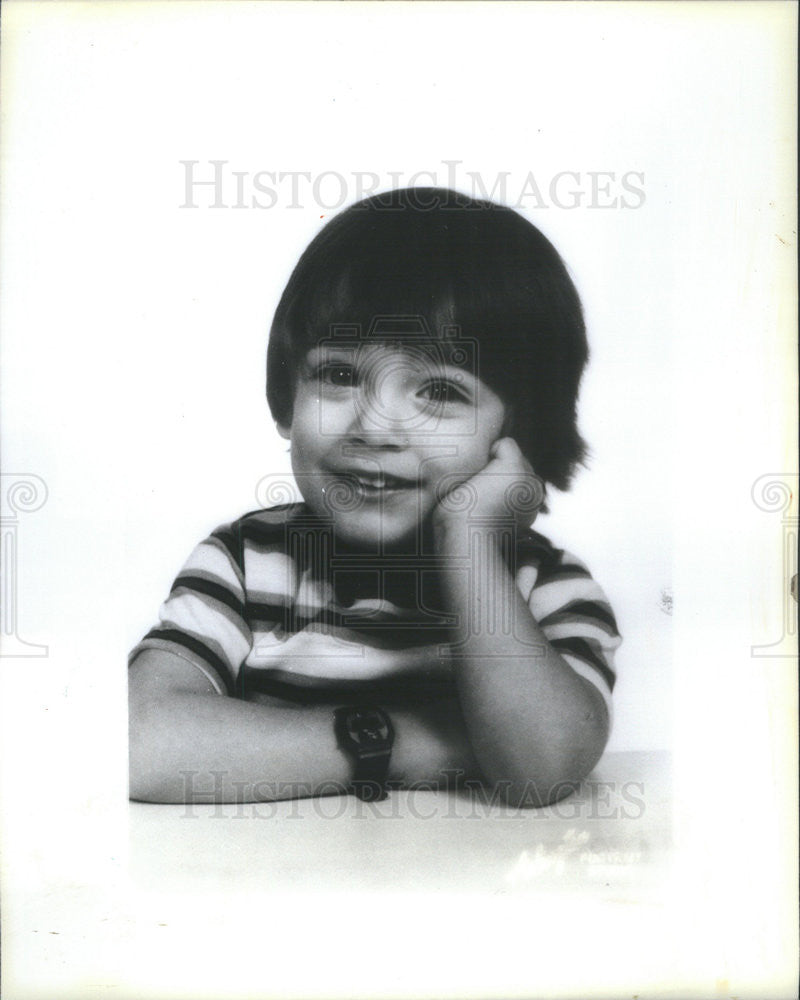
(372, 532)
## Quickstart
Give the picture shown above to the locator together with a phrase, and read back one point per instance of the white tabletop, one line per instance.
(425, 894)
(610, 839)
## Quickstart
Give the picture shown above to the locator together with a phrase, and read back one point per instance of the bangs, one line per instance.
(445, 287)
(363, 302)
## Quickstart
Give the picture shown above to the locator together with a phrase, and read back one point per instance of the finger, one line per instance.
(505, 449)
(508, 453)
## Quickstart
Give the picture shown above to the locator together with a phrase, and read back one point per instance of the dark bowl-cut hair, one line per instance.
(452, 263)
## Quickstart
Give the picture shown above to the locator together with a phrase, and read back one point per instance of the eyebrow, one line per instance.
(328, 350)
(335, 354)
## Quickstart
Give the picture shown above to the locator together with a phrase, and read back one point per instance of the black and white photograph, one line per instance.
(399, 499)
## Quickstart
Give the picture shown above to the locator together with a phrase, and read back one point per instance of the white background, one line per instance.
(134, 336)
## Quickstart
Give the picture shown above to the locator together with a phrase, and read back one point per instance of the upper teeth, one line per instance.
(377, 481)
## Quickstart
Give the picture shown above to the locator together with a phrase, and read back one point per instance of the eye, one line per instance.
(443, 390)
(337, 374)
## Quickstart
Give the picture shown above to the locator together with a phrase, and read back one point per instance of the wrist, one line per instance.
(451, 535)
(367, 736)
(455, 537)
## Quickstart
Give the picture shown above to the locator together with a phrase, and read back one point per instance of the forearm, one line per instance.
(196, 745)
(191, 746)
(535, 726)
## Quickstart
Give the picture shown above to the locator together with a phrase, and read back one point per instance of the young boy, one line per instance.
(403, 623)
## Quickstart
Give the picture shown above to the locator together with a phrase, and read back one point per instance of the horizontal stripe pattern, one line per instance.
(202, 652)
(387, 692)
(269, 605)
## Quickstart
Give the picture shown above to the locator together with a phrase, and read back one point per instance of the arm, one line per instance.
(535, 726)
(188, 743)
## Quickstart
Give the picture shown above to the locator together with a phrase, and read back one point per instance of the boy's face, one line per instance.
(379, 431)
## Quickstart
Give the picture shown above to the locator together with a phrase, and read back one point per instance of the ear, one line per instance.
(285, 431)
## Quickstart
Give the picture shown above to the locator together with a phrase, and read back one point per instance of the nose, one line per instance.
(383, 415)
(382, 421)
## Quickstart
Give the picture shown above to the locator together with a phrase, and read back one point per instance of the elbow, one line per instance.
(139, 788)
(537, 779)
(139, 785)
(147, 778)
(143, 780)
(536, 793)
(533, 792)
(146, 783)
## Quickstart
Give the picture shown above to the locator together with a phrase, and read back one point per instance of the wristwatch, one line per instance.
(367, 735)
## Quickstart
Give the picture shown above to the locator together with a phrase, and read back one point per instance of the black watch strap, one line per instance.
(369, 780)
(367, 735)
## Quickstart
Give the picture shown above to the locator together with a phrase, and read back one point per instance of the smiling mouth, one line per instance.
(380, 483)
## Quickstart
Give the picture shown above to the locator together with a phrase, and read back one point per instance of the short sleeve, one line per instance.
(572, 611)
(203, 618)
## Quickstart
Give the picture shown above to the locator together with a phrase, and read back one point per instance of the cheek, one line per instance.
(302, 445)
(495, 426)
(308, 422)
(501, 419)
(324, 418)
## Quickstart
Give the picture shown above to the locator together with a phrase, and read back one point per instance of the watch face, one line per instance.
(367, 728)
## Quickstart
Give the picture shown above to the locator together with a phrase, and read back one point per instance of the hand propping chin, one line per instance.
(506, 489)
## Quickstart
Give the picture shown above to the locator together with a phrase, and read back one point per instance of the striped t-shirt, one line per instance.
(274, 607)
